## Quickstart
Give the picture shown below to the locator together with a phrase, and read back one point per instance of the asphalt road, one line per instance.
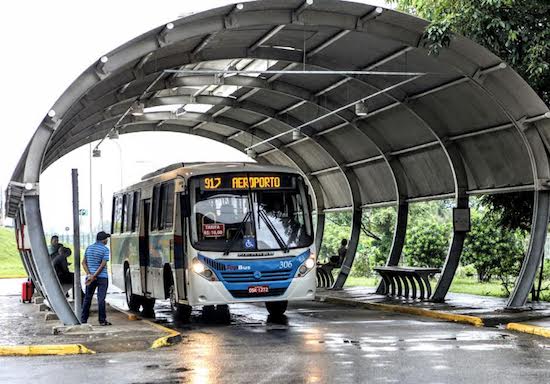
(315, 343)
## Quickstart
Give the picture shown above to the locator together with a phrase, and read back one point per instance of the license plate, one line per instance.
(258, 289)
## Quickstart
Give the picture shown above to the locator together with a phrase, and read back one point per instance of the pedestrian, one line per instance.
(54, 246)
(61, 266)
(342, 251)
(95, 265)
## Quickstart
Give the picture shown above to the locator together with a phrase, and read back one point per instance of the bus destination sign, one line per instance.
(240, 182)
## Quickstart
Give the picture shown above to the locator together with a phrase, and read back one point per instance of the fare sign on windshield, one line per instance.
(251, 181)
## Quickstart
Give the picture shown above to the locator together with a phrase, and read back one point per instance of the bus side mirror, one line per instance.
(185, 205)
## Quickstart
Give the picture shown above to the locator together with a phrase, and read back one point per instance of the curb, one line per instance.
(41, 350)
(456, 318)
(527, 328)
(173, 337)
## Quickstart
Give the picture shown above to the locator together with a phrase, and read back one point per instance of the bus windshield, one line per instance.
(239, 213)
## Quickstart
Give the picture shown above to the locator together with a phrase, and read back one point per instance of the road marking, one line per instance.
(172, 337)
(456, 318)
(528, 328)
(40, 350)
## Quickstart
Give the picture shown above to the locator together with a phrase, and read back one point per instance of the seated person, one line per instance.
(61, 266)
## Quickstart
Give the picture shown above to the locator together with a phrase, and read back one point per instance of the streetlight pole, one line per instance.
(91, 209)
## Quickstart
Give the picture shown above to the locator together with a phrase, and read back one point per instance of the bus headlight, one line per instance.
(200, 269)
(307, 265)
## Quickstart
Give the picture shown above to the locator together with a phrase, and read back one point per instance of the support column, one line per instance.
(54, 293)
(461, 226)
(25, 254)
(526, 278)
(319, 231)
(33, 219)
(399, 235)
(352, 249)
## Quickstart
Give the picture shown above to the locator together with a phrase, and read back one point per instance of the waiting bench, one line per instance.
(407, 281)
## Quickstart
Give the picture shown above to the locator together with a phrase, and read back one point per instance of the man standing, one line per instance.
(95, 265)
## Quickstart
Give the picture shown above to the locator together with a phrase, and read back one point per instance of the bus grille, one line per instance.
(245, 293)
(214, 264)
(248, 276)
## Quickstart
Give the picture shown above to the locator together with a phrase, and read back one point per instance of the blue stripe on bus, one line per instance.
(238, 275)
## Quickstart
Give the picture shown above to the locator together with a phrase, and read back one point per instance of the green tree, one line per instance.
(518, 31)
(427, 243)
(493, 250)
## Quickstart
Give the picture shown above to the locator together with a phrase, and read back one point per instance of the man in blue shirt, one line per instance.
(95, 264)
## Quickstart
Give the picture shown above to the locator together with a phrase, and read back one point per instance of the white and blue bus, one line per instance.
(212, 234)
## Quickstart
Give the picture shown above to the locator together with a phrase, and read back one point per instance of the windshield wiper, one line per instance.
(232, 242)
(273, 230)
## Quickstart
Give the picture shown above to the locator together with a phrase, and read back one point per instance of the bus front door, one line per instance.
(144, 256)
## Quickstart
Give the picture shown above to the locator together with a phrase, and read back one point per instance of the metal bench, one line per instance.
(325, 279)
(406, 281)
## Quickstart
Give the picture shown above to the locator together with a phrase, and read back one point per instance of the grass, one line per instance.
(460, 285)
(10, 261)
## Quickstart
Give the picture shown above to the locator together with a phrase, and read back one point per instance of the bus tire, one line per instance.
(181, 312)
(276, 308)
(148, 304)
(222, 313)
(209, 312)
(133, 301)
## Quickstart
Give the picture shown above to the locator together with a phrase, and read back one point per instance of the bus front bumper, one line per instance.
(205, 292)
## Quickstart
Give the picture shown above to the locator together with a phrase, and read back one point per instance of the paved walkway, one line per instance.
(489, 309)
(24, 324)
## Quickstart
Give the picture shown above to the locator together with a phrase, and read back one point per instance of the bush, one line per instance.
(427, 244)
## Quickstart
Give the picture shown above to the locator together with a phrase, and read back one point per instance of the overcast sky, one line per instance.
(45, 46)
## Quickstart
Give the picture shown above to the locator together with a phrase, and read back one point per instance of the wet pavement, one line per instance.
(490, 309)
(314, 343)
(24, 324)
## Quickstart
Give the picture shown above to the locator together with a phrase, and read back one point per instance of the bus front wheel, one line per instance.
(181, 312)
(148, 304)
(133, 301)
(276, 308)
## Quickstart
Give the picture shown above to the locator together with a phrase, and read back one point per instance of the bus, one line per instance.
(213, 234)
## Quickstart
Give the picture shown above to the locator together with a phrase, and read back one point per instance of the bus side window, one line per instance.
(155, 208)
(117, 214)
(129, 212)
(135, 212)
(167, 206)
(124, 213)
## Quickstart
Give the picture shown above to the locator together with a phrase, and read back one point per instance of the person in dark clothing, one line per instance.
(61, 265)
(342, 251)
(54, 246)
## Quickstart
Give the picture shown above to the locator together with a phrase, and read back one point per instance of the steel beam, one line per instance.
(31, 207)
(352, 248)
(399, 234)
(541, 216)
(535, 252)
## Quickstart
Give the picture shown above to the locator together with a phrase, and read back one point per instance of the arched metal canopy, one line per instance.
(458, 124)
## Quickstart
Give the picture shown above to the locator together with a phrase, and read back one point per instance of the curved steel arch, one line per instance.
(323, 144)
(303, 95)
(202, 27)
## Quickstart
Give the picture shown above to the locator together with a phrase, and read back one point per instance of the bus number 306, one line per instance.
(285, 264)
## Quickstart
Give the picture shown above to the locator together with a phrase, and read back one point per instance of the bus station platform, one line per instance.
(26, 329)
(462, 308)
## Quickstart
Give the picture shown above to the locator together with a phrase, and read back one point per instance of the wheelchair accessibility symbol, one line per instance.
(249, 243)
